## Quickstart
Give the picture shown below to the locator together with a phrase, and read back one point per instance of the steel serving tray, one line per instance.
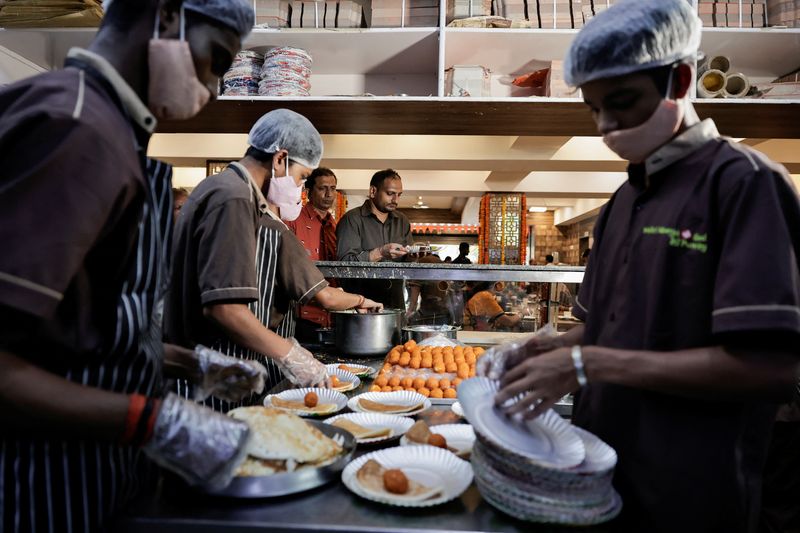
(293, 482)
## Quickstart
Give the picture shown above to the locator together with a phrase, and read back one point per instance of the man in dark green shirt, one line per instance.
(376, 232)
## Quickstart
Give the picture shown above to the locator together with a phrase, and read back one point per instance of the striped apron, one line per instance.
(268, 242)
(76, 486)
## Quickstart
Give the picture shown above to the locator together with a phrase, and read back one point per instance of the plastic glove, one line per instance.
(302, 369)
(496, 361)
(228, 378)
(203, 447)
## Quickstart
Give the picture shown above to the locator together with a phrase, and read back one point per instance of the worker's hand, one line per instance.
(203, 447)
(499, 359)
(369, 305)
(393, 251)
(536, 384)
(302, 369)
(228, 378)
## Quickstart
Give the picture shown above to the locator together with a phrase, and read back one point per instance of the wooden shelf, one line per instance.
(455, 116)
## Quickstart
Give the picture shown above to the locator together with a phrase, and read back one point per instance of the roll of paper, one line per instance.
(736, 86)
(711, 84)
(721, 63)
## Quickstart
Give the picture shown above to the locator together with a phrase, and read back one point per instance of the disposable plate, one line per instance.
(547, 440)
(391, 398)
(458, 436)
(345, 377)
(364, 370)
(398, 424)
(457, 409)
(297, 395)
(424, 464)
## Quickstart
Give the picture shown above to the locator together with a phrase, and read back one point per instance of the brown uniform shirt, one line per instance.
(215, 251)
(699, 244)
(360, 231)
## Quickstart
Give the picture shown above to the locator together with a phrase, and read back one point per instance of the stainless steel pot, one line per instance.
(367, 334)
(420, 333)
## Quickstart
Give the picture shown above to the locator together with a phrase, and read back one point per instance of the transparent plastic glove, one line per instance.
(302, 369)
(203, 447)
(228, 378)
(496, 361)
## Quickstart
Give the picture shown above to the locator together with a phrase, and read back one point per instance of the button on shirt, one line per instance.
(308, 229)
(700, 242)
(360, 231)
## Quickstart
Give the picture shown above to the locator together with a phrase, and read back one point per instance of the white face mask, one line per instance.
(174, 92)
(636, 144)
(286, 194)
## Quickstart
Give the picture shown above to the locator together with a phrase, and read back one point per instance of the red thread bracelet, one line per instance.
(136, 403)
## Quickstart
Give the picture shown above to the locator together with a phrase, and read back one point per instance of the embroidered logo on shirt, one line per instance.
(680, 238)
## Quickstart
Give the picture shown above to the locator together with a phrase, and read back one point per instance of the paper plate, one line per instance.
(391, 398)
(457, 409)
(297, 395)
(364, 370)
(424, 464)
(458, 436)
(547, 440)
(600, 457)
(345, 377)
(398, 424)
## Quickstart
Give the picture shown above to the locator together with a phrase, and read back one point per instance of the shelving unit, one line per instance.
(410, 64)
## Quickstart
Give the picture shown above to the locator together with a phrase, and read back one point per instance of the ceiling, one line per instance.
(570, 175)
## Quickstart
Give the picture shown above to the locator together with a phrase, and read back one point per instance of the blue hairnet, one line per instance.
(283, 129)
(236, 14)
(630, 36)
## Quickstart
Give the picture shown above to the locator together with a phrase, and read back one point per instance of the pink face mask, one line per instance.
(174, 92)
(636, 144)
(286, 194)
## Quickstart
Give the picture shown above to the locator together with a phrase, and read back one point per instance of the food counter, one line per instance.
(332, 507)
(329, 508)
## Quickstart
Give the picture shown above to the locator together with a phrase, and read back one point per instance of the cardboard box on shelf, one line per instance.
(461, 9)
(468, 81)
(272, 13)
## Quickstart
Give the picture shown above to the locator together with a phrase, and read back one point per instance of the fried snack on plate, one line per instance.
(282, 442)
(319, 409)
(371, 479)
(361, 432)
(369, 405)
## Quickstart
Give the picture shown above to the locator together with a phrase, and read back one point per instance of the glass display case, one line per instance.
(491, 303)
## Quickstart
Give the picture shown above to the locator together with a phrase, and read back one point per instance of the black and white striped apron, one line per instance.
(268, 242)
(75, 486)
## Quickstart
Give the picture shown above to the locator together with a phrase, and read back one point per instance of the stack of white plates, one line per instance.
(286, 72)
(244, 75)
(543, 470)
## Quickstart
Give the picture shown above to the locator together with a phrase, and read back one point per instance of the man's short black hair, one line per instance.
(549, 258)
(463, 247)
(259, 155)
(319, 172)
(660, 77)
(382, 175)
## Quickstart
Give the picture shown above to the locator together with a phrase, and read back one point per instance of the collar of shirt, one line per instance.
(681, 146)
(255, 190)
(366, 211)
(133, 104)
(312, 213)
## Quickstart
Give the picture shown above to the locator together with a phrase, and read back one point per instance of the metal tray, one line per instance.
(292, 482)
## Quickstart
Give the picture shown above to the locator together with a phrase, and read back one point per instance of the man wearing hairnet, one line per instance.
(236, 266)
(85, 226)
(687, 345)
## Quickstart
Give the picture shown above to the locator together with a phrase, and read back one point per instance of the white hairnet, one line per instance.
(236, 14)
(630, 36)
(283, 129)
